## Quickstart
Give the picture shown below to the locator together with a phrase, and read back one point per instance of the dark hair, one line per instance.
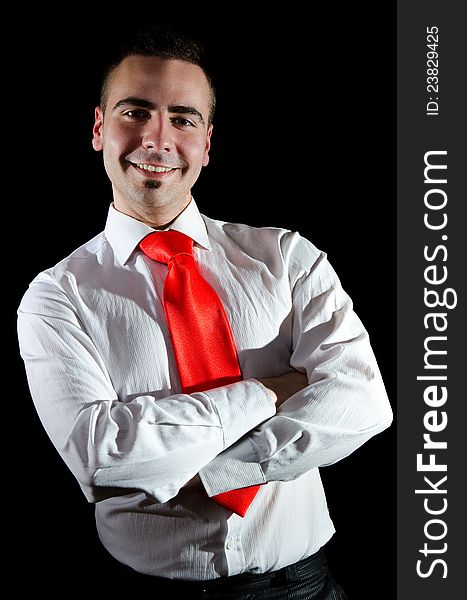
(163, 41)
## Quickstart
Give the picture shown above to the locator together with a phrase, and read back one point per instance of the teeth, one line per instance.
(153, 168)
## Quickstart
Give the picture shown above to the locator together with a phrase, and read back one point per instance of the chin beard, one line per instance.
(151, 184)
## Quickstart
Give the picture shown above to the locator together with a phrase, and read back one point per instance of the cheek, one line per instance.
(111, 154)
(119, 141)
(115, 150)
(195, 151)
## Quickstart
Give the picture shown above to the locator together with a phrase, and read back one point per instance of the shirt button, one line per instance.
(230, 544)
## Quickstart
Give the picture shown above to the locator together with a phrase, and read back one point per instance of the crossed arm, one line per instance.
(280, 389)
(253, 431)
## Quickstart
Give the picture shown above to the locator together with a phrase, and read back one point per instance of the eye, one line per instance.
(136, 114)
(181, 121)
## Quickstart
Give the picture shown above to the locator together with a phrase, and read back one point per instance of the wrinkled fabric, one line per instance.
(200, 332)
(103, 378)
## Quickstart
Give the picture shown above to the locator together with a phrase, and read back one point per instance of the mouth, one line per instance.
(154, 171)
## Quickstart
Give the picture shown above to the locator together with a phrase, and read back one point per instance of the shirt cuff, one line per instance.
(234, 468)
(241, 406)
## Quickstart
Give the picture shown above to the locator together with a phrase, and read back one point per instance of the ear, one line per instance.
(208, 146)
(97, 142)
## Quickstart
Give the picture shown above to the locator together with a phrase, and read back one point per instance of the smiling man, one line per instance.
(156, 115)
(195, 374)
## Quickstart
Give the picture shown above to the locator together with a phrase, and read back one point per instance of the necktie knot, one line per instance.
(163, 246)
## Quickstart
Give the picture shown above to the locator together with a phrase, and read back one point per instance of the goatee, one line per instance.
(151, 184)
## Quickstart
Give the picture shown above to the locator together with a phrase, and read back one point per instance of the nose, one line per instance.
(157, 134)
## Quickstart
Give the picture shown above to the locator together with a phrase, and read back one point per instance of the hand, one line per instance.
(281, 388)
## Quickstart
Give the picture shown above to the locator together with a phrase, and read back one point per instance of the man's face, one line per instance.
(154, 135)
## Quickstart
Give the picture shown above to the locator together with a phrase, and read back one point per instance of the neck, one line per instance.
(159, 220)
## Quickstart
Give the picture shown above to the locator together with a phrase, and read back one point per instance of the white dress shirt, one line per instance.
(102, 375)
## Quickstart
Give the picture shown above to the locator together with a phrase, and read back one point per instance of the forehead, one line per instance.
(161, 80)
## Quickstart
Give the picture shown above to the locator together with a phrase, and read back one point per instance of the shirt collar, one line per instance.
(124, 233)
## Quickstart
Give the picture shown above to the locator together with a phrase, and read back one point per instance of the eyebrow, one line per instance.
(173, 108)
(186, 110)
(133, 101)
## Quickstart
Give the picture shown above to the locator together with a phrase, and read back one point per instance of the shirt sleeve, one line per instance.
(344, 404)
(113, 444)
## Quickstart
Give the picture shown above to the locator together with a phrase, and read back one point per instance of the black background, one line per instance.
(302, 140)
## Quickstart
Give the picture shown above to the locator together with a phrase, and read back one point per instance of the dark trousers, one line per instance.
(309, 579)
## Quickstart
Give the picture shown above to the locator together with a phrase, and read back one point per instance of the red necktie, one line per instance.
(202, 340)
